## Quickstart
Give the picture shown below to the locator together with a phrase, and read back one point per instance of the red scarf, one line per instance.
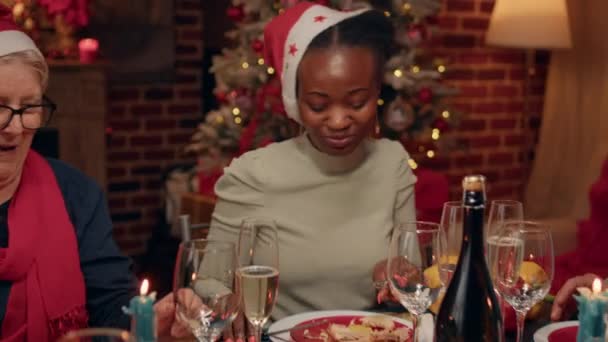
(47, 297)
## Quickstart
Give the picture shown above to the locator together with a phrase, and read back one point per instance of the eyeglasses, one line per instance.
(32, 116)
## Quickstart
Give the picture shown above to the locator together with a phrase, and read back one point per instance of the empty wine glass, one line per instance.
(97, 335)
(258, 272)
(205, 289)
(523, 266)
(451, 226)
(413, 250)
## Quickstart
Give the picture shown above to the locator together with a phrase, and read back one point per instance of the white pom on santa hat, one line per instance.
(12, 39)
(286, 39)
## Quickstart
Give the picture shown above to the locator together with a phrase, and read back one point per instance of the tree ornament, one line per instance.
(399, 115)
(236, 13)
(425, 95)
(257, 45)
(441, 124)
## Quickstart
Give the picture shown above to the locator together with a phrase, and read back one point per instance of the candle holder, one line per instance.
(141, 310)
(592, 304)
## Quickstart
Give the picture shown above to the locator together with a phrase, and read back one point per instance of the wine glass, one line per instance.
(413, 250)
(205, 288)
(258, 272)
(523, 266)
(97, 335)
(451, 226)
(502, 211)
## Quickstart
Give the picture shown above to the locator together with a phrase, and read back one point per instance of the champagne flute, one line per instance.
(451, 226)
(502, 211)
(205, 289)
(414, 249)
(97, 335)
(523, 263)
(258, 272)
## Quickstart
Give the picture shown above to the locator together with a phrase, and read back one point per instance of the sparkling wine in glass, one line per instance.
(501, 212)
(413, 250)
(205, 287)
(258, 272)
(523, 266)
(451, 226)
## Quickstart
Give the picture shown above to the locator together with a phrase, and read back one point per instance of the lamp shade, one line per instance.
(532, 24)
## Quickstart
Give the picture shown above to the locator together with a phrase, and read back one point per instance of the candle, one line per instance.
(141, 308)
(591, 308)
(88, 49)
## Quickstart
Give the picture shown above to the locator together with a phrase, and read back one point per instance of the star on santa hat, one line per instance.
(320, 18)
(293, 49)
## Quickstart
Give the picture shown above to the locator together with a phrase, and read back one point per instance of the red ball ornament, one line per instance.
(441, 124)
(257, 45)
(425, 95)
(236, 13)
(221, 97)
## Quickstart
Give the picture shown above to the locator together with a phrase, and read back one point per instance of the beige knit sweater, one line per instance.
(334, 216)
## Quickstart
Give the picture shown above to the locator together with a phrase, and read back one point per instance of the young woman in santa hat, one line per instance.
(334, 192)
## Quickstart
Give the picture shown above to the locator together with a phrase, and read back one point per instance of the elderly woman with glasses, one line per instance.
(60, 270)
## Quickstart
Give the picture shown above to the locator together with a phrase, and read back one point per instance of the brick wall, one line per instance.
(498, 137)
(150, 125)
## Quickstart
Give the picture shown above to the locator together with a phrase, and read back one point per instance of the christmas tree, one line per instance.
(411, 108)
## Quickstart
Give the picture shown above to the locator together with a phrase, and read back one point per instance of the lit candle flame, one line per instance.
(597, 286)
(143, 290)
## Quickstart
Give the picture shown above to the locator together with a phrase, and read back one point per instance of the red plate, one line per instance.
(298, 334)
(567, 334)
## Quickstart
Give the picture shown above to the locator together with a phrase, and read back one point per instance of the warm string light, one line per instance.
(435, 134)
(236, 111)
(238, 120)
(412, 163)
(415, 69)
(245, 65)
(387, 13)
(441, 68)
(407, 7)
(398, 73)
(430, 153)
(270, 70)
(445, 114)
(380, 102)
(261, 61)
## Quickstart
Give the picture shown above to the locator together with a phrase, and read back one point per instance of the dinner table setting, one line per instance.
(215, 280)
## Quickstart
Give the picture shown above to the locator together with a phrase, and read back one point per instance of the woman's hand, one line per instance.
(166, 324)
(564, 295)
(240, 331)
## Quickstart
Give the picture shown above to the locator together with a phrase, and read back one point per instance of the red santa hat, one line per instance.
(12, 39)
(286, 39)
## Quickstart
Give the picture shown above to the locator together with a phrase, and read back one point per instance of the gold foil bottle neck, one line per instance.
(474, 183)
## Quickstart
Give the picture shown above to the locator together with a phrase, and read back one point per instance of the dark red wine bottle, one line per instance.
(469, 311)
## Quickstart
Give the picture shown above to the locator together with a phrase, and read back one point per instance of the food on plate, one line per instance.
(363, 329)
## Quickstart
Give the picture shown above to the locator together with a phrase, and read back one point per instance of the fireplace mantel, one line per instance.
(79, 90)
